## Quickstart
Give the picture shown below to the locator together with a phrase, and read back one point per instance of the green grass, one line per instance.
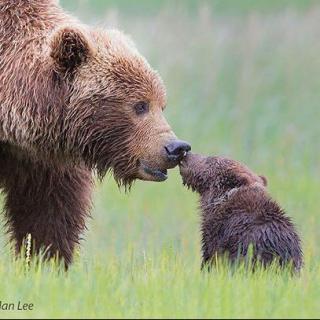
(165, 285)
(243, 80)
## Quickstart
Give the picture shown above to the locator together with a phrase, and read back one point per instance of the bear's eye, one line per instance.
(141, 107)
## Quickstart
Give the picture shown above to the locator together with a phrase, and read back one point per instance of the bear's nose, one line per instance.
(177, 149)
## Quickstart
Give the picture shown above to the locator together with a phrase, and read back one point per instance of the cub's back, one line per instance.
(250, 216)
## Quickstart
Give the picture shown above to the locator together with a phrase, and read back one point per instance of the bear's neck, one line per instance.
(33, 17)
(28, 89)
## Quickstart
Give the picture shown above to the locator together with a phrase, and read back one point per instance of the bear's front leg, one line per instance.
(49, 202)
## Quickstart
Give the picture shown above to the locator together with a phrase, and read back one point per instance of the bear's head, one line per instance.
(114, 101)
(216, 175)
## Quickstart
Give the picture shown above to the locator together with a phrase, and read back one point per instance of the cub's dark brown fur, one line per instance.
(237, 212)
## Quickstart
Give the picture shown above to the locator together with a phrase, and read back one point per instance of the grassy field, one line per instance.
(243, 80)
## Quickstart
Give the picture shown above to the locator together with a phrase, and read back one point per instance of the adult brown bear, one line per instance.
(72, 100)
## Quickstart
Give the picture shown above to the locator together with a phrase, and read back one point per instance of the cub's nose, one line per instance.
(177, 149)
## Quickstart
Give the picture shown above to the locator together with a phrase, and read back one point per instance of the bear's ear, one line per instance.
(264, 180)
(70, 47)
(236, 180)
(242, 180)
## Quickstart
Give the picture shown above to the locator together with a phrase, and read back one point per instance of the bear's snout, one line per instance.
(177, 150)
(192, 162)
(193, 171)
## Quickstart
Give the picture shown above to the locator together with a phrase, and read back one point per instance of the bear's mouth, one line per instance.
(152, 174)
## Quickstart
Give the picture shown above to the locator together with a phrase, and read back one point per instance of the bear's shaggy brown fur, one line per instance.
(72, 100)
(237, 211)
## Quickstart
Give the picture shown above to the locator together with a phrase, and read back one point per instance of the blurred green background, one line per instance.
(243, 80)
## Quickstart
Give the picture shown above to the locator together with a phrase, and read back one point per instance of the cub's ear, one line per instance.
(236, 180)
(264, 180)
(242, 180)
(70, 47)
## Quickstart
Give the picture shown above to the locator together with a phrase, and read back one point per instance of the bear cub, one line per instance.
(238, 212)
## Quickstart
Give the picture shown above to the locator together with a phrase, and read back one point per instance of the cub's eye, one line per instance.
(141, 107)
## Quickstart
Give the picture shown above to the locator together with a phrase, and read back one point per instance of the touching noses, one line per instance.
(176, 150)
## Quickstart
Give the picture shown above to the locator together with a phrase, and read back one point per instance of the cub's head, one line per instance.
(216, 174)
(113, 114)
